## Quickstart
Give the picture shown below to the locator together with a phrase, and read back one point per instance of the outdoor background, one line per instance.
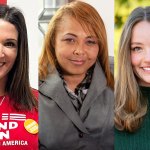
(122, 10)
(38, 11)
(113, 13)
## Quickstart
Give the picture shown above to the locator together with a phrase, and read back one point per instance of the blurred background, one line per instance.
(122, 10)
(37, 15)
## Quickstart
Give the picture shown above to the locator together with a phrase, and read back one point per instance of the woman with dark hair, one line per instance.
(132, 86)
(18, 102)
(76, 84)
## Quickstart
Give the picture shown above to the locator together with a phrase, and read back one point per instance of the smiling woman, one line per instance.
(140, 52)
(132, 86)
(18, 101)
(8, 50)
(76, 51)
(76, 84)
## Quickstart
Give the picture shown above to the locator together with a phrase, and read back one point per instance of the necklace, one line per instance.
(2, 100)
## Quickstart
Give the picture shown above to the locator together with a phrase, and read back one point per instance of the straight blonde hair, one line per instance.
(130, 105)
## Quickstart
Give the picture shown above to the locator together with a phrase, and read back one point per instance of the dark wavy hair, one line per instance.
(17, 85)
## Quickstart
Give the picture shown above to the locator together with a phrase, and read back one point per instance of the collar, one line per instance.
(52, 87)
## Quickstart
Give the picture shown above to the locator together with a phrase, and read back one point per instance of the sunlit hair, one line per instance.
(91, 21)
(17, 86)
(130, 105)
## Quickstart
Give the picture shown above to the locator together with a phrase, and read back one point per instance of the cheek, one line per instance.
(135, 59)
(63, 52)
(11, 57)
(60, 54)
(14, 58)
(93, 54)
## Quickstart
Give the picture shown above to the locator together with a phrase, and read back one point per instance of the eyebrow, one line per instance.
(11, 40)
(71, 34)
(136, 43)
(90, 36)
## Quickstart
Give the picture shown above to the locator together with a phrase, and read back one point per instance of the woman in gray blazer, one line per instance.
(76, 85)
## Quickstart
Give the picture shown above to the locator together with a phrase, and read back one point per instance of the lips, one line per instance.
(77, 61)
(2, 64)
(146, 69)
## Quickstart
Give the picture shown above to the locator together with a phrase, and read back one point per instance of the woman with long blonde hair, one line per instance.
(132, 84)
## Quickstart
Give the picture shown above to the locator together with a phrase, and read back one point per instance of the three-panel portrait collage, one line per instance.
(74, 75)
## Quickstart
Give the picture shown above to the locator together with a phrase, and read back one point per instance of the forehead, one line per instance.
(69, 22)
(141, 31)
(8, 30)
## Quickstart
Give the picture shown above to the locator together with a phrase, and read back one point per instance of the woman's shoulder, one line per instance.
(35, 92)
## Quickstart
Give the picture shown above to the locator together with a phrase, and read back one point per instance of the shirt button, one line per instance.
(81, 135)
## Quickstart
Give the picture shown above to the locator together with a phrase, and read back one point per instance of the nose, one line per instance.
(79, 49)
(147, 55)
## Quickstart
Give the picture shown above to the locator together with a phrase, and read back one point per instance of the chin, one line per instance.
(145, 83)
(77, 72)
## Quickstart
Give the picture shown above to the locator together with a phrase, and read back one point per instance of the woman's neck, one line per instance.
(73, 80)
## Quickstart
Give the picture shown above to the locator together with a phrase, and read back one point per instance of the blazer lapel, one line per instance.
(53, 87)
(98, 84)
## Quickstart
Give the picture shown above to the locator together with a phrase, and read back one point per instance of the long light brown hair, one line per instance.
(130, 105)
(90, 20)
(17, 85)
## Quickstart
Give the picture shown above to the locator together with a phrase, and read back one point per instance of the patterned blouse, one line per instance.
(81, 90)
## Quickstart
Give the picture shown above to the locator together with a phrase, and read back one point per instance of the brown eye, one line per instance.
(91, 42)
(70, 40)
(10, 44)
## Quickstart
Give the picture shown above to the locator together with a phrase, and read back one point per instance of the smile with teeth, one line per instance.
(146, 68)
(2, 64)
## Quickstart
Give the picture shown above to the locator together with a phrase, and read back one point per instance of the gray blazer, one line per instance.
(62, 128)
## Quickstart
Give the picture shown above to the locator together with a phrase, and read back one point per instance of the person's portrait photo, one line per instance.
(76, 98)
(132, 83)
(18, 100)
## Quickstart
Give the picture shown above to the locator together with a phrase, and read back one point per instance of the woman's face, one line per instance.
(8, 47)
(76, 50)
(140, 52)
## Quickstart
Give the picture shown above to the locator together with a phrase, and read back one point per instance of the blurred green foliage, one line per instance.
(122, 10)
